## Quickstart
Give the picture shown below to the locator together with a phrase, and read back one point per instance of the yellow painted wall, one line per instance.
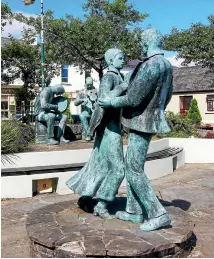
(207, 117)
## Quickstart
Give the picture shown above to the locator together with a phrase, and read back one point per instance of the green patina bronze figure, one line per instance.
(96, 118)
(149, 91)
(48, 108)
(103, 173)
(87, 99)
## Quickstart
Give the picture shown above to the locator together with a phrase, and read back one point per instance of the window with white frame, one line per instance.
(64, 74)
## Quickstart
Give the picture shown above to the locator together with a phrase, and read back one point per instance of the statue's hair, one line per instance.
(111, 54)
(152, 37)
(60, 88)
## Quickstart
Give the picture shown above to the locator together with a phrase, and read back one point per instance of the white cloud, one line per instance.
(16, 27)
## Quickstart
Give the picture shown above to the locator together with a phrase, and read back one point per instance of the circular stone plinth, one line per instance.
(63, 230)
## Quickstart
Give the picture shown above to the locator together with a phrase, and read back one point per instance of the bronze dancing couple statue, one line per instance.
(141, 97)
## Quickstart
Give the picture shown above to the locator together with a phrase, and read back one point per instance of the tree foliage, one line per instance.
(194, 113)
(6, 15)
(194, 44)
(21, 60)
(68, 110)
(82, 42)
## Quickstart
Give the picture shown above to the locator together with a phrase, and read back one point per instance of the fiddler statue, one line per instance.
(87, 99)
(103, 173)
(149, 91)
(49, 108)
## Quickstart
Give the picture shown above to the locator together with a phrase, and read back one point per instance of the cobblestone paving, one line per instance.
(190, 188)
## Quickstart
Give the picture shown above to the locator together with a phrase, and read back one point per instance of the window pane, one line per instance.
(210, 97)
(185, 103)
(12, 107)
(4, 114)
(210, 105)
(4, 105)
(64, 72)
(64, 79)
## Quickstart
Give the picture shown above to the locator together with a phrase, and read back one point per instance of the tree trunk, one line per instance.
(27, 112)
(100, 71)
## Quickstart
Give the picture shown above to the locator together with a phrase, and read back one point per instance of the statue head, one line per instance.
(89, 83)
(151, 40)
(115, 57)
(48, 81)
(58, 89)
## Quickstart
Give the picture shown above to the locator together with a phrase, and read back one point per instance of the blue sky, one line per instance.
(163, 14)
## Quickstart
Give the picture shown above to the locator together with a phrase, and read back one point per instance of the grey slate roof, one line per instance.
(188, 79)
(192, 79)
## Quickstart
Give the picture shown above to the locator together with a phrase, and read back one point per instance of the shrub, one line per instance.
(194, 113)
(68, 111)
(181, 126)
(210, 134)
(15, 136)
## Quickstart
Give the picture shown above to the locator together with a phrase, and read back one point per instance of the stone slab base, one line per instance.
(63, 230)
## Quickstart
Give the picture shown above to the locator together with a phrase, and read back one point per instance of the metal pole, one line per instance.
(42, 46)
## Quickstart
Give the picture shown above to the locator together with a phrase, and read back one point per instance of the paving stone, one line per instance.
(14, 235)
(16, 250)
(96, 222)
(67, 238)
(94, 232)
(123, 233)
(54, 208)
(97, 237)
(68, 204)
(47, 236)
(70, 250)
(187, 188)
(66, 217)
(94, 247)
(160, 242)
(128, 248)
(115, 224)
(37, 218)
(29, 206)
(185, 232)
(81, 228)
(39, 251)
(196, 197)
(107, 239)
(207, 248)
(56, 198)
(204, 182)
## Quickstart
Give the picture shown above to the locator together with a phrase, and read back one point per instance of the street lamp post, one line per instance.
(29, 2)
(42, 46)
